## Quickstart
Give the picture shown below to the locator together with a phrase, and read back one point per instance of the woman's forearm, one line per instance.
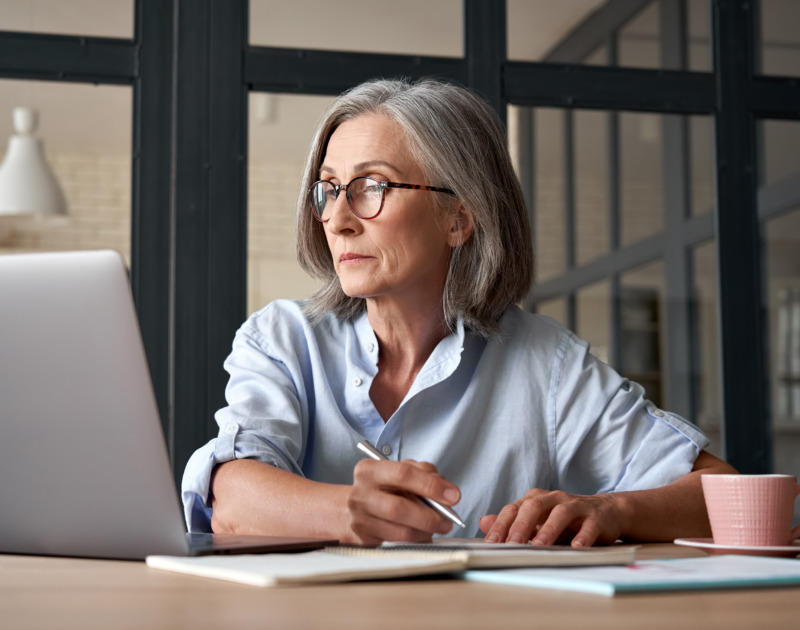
(251, 497)
(673, 511)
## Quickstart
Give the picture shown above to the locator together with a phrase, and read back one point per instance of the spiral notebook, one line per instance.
(333, 564)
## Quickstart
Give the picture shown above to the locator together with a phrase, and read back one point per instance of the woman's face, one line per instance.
(402, 254)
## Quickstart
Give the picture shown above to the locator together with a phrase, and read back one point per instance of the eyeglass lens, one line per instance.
(364, 196)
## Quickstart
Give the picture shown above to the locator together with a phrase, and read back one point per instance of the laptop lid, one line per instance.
(83, 460)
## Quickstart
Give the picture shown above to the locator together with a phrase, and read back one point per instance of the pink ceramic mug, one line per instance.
(751, 510)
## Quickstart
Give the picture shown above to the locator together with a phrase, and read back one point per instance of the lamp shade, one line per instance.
(27, 184)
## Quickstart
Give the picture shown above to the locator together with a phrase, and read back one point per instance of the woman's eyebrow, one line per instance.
(363, 166)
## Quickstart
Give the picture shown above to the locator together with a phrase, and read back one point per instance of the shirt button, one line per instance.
(370, 347)
(231, 428)
(357, 381)
(386, 450)
(658, 413)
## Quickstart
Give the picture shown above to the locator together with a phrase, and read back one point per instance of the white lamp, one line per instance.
(27, 185)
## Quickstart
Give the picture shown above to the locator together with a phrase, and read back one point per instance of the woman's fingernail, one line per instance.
(452, 495)
(516, 538)
(492, 538)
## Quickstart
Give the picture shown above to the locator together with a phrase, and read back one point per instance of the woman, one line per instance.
(413, 218)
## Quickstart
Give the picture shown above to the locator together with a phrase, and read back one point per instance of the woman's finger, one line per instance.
(534, 510)
(561, 517)
(502, 523)
(407, 476)
(588, 534)
(382, 506)
(486, 522)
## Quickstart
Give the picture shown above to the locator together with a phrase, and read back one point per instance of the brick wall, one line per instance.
(273, 271)
(98, 192)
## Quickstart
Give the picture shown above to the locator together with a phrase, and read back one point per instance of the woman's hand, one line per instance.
(659, 514)
(383, 502)
(549, 517)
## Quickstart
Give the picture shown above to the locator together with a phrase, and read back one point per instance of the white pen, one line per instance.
(365, 447)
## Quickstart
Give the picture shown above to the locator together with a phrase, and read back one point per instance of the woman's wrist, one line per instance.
(624, 508)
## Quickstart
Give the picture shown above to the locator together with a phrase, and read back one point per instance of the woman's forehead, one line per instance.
(367, 140)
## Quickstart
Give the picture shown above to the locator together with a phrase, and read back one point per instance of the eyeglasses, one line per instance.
(364, 196)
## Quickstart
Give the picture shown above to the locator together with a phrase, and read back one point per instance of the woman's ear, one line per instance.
(461, 226)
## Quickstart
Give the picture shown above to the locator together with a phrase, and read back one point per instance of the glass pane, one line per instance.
(641, 178)
(535, 27)
(557, 309)
(98, 18)
(705, 323)
(701, 148)
(782, 251)
(281, 127)
(591, 185)
(549, 229)
(598, 58)
(642, 333)
(780, 37)
(699, 27)
(780, 150)
(86, 135)
(593, 318)
(538, 28)
(519, 135)
(415, 27)
(638, 43)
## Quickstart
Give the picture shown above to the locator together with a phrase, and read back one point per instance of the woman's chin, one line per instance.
(355, 293)
(358, 289)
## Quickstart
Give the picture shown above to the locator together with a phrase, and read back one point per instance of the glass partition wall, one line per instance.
(656, 141)
(600, 209)
(638, 274)
(85, 134)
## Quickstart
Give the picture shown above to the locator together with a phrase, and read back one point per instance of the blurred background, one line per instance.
(178, 130)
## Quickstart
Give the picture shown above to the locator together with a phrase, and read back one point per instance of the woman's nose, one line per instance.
(341, 217)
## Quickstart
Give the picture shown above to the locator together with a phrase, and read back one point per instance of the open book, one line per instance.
(392, 560)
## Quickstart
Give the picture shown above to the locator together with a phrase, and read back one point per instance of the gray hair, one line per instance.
(459, 143)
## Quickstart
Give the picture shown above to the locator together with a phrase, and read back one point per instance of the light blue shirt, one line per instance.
(532, 409)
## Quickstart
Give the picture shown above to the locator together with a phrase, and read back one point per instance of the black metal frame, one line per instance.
(744, 393)
(191, 67)
(151, 194)
(208, 257)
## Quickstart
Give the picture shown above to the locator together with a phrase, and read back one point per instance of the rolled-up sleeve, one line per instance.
(263, 420)
(608, 436)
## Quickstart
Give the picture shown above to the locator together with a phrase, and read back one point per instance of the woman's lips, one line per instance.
(350, 258)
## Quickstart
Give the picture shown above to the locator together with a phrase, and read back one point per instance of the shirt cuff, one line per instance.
(195, 487)
(667, 453)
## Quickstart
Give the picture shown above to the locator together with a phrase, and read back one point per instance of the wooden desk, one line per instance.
(39, 592)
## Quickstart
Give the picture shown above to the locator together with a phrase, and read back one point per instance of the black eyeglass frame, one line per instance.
(383, 185)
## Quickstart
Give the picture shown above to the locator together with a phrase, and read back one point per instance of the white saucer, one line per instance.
(707, 545)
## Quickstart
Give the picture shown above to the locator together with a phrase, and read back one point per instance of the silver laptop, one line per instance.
(84, 469)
